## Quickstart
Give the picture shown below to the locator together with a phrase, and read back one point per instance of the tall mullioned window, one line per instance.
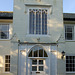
(70, 63)
(69, 32)
(7, 63)
(4, 31)
(38, 21)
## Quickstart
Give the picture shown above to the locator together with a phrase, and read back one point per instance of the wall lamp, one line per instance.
(63, 54)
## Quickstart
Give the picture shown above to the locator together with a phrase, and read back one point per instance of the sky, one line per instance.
(68, 6)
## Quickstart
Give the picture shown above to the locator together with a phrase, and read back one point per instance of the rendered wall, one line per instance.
(55, 29)
(5, 48)
(21, 21)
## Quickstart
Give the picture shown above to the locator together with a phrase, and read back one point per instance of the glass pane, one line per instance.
(69, 29)
(7, 69)
(40, 68)
(45, 54)
(43, 21)
(40, 61)
(31, 22)
(6, 57)
(7, 61)
(67, 69)
(7, 65)
(5, 27)
(34, 68)
(37, 22)
(30, 54)
(40, 23)
(69, 36)
(36, 53)
(34, 62)
(41, 53)
(4, 35)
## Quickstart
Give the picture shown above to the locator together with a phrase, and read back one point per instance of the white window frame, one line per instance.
(48, 11)
(70, 63)
(8, 30)
(35, 24)
(38, 65)
(68, 32)
(6, 63)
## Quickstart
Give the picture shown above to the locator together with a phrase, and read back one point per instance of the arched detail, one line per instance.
(37, 51)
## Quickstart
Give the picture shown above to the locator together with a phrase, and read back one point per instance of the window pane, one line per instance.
(37, 22)
(36, 53)
(34, 68)
(7, 65)
(31, 22)
(7, 69)
(40, 68)
(40, 23)
(7, 61)
(69, 36)
(45, 54)
(43, 21)
(5, 28)
(4, 35)
(40, 61)
(41, 53)
(6, 57)
(30, 54)
(34, 61)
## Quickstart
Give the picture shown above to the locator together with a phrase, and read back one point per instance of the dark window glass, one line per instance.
(69, 32)
(41, 53)
(40, 68)
(40, 61)
(34, 68)
(34, 61)
(37, 21)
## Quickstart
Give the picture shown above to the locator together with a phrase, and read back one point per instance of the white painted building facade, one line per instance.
(37, 42)
(38, 34)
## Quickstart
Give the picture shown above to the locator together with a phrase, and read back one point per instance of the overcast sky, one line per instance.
(68, 5)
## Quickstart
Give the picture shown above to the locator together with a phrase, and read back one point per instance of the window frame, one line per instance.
(48, 11)
(38, 49)
(70, 63)
(6, 63)
(38, 65)
(8, 30)
(70, 32)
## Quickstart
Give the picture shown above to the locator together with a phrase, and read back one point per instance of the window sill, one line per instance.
(6, 72)
(34, 35)
(38, 57)
(70, 72)
(4, 39)
(70, 40)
